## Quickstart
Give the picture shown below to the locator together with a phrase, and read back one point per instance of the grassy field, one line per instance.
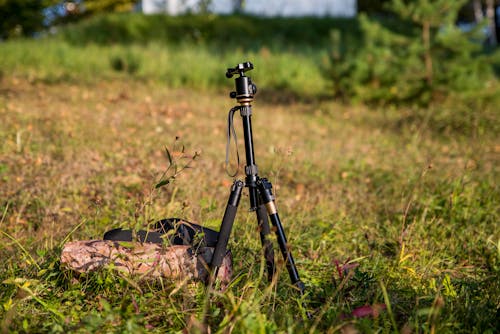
(416, 211)
(181, 51)
(391, 214)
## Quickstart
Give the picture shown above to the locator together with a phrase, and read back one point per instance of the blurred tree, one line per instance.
(98, 6)
(419, 56)
(429, 15)
(74, 10)
(21, 17)
(82, 8)
(204, 5)
(490, 15)
(478, 10)
(370, 6)
(239, 5)
(25, 17)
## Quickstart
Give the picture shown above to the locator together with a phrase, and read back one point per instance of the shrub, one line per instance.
(418, 57)
(127, 62)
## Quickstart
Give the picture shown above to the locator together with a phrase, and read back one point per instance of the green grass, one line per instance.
(185, 51)
(193, 66)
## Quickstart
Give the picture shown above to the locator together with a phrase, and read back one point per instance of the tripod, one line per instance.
(260, 189)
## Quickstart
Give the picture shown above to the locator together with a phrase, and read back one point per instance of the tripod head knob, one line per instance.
(245, 88)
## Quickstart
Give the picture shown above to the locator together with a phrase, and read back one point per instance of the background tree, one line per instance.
(478, 11)
(239, 5)
(92, 7)
(99, 6)
(490, 15)
(26, 17)
(429, 16)
(419, 56)
(21, 17)
(370, 6)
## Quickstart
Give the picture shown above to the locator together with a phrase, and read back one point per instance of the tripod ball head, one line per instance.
(245, 88)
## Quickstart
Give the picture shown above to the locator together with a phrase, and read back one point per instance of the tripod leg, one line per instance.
(226, 226)
(264, 238)
(268, 200)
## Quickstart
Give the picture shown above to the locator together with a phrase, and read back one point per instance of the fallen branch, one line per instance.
(145, 260)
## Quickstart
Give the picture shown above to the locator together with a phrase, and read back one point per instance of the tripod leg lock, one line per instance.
(245, 111)
(266, 190)
(251, 170)
(271, 208)
(235, 195)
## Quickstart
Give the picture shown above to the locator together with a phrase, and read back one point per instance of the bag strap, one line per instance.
(185, 233)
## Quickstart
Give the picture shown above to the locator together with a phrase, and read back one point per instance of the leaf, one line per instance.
(18, 281)
(169, 156)
(8, 304)
(162, 183)
(449, 290)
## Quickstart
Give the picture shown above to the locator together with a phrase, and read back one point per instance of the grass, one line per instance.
(181, 51)
(188, 65)
(415, 211)
(392, 215)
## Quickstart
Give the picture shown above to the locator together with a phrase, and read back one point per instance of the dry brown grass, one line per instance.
(71, 149)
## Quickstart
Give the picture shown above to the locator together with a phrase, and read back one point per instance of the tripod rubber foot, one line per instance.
(301, 286)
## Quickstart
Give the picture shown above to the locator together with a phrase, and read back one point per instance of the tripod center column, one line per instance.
(251, 170)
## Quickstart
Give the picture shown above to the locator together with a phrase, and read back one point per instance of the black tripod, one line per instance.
(260, 189)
